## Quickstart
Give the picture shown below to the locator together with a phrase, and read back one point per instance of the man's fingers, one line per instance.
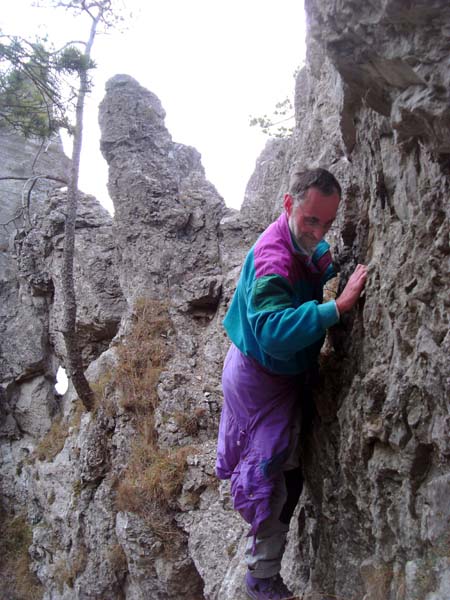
(353, 289)
(361, 269)
(360, 273)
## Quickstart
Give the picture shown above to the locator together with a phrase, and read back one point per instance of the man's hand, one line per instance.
(352, 290)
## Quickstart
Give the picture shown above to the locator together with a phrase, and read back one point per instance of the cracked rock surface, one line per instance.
(372, 106)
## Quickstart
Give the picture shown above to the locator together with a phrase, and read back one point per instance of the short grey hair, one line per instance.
(323, 180)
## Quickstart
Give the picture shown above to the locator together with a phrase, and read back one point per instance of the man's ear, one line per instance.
(288, 203)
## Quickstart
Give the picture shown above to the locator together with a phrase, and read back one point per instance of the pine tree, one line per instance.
(34, 100)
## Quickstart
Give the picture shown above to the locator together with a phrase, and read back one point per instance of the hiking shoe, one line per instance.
(272, 588)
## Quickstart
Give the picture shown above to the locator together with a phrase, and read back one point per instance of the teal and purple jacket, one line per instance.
(276, 315)
(277, 324)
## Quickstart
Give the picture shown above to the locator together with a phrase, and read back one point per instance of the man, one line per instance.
(277, 324)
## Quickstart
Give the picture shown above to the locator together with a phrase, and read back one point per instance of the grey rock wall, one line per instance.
(370, 523)
(170, 223)
(371, 105)
(39, 475)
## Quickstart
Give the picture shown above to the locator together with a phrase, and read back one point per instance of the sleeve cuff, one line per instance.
(337, 310)
(329, 313)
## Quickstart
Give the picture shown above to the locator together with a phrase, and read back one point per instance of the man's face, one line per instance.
(310, 219)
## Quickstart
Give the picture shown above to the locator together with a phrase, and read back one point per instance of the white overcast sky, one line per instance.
(212, 64)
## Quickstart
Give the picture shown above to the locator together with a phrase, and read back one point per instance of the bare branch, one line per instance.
(38, 153)
(26, 201)
(26, 206)
(68, 45)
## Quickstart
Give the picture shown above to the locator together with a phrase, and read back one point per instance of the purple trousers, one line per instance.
(259, 411)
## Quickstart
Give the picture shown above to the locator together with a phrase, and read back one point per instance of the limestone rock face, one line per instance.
(169, 226)
(100, 302)
(378, 53)
(24, 161)
(35, 422)
(167, 214)
(371, 105)
(377, 459)
(263, 200)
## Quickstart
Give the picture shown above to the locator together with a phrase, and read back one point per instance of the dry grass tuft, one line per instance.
(143, 356)
(103, 387)
(17, 582)
(190, 422)
(153, 477)
(117, 559)
(53, 441)
(150, 485)
(68, 571)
